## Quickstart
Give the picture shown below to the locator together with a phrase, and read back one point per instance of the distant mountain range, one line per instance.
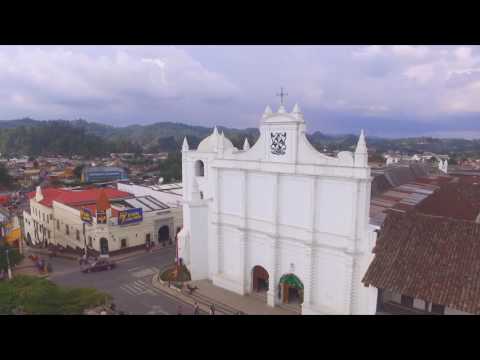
(80, 137)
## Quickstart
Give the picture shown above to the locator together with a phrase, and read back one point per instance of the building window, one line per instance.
(67, 230)
(43, 217)
(49, 234)
(58, 224)
(199, 168)
(51, 216)
(90, 241)
(407, 301)
(148, 238)
(438, 309)
(78, 234)
(123, 243)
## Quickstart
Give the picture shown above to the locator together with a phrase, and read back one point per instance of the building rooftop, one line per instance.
(103, 168)
(401, 188)
(72, 197)
(433, 258)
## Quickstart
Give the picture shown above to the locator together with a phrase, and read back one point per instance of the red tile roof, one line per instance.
(435, 259)
(457, 200)
(69, 197)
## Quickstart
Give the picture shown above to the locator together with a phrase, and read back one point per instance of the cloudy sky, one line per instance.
(388, 90)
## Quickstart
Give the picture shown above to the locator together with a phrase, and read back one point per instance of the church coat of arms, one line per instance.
(279, 143)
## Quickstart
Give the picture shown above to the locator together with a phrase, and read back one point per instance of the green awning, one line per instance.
(291, 280)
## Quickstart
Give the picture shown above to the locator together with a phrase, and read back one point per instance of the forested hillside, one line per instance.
(80, 137)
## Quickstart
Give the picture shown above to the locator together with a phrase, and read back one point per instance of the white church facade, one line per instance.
(280, 218)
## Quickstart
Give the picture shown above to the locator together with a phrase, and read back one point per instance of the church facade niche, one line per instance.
(277, 203)
(199, 168)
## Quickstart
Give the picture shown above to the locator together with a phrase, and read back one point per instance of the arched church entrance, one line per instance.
(290, 289)
(163, 234)
(103, 246)
(259, 279)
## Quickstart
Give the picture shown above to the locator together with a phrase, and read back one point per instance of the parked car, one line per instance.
(99, 265)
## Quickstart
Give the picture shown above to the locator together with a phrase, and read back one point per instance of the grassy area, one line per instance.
(35, 295)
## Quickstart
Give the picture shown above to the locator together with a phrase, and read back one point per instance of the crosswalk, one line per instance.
(140, 287)
(141, 273)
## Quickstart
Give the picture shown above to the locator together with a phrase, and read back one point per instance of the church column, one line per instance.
(307, 280)
(214, 223)
(362, 248)
(243, 234)
(274, 249)
(310, 252)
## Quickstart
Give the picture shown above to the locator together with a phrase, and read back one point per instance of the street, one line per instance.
(130, 283)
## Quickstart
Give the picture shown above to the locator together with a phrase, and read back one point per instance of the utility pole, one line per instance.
(85, 240)
(8, 266)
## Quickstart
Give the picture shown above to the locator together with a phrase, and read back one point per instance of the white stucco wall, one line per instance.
(302, 212)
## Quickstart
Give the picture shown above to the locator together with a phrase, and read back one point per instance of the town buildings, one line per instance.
(103, 220)
(280, 219)
(103, 173)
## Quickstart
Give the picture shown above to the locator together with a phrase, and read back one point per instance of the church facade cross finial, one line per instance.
(282, 95)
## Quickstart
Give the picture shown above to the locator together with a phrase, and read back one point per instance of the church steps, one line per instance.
(228, 310)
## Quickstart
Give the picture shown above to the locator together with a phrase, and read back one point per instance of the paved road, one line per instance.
(130, 283)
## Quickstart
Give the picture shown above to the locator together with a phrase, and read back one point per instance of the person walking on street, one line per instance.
(212, 309)
(196, 309)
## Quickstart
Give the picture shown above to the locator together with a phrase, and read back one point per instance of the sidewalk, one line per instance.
(226, 302)
(76, 257)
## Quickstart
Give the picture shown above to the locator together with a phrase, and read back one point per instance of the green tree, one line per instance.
(41, 296)
(13, 255)
(5, 178)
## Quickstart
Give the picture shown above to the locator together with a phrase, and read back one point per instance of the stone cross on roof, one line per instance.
(282, 95)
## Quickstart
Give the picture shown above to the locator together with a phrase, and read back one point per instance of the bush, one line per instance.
(169, 274)
(13, 254)
(41, 296)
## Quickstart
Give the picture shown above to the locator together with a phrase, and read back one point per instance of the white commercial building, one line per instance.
(170, 194)
(280, 218)
(114, 220)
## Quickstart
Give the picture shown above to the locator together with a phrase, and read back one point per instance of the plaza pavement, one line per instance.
(226, 302)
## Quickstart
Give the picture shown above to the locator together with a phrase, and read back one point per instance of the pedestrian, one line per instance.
(212, 309)
(196, 309)
(179, 310)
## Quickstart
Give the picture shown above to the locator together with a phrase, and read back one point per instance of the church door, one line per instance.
(292, 289)
(259, 279)
(103, 246)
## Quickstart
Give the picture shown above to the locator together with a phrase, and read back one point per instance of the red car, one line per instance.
(100, 265)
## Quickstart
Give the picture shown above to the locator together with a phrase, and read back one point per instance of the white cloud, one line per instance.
(410, 51)
(420, 73)
(368, 52)
(463, 53)
(108, 78)
(228, 85)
